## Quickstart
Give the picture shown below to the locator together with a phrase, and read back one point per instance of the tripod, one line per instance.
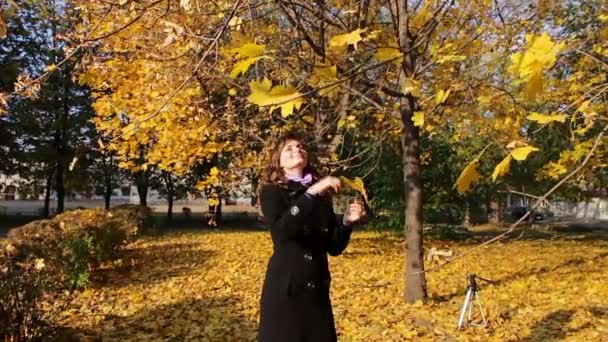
(472, 294)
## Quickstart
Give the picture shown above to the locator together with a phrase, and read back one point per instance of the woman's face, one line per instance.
(293, 158)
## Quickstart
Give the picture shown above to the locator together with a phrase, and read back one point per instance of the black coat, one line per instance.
(295, 304)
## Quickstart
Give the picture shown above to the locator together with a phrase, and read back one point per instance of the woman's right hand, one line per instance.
(325, 184)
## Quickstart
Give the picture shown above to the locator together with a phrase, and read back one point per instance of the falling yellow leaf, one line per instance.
(248, 50)
(521, 153)
(540, 54)
(351, 38)
(502, 168)
(241, 67)
(287, 98)
(543, 119)
(235, 23)
(325, 77)
(441, 96)
(418, 118)
(357, 185)
(410, 86)
(467, 177)
(389, 53)
(451, 58)
(51, 67)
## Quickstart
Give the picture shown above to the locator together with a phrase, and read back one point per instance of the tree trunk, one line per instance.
(59, 186)
(107, 178)
(415, 280)
(170, 207)
(108, 191)
(415, 287)
(141, 180)
(170, 196)
(47, 196)
(254, 188)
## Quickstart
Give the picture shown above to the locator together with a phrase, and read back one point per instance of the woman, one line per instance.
(297, 208)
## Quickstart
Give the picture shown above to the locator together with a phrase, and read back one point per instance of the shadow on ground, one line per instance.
(150, 264)
(553, 326)
(208, 319)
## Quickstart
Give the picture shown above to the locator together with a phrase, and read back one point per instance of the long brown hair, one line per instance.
(274, 171)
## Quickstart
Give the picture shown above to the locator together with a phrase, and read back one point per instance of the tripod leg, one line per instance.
(464, 308)
(472, 305)
(483, 316)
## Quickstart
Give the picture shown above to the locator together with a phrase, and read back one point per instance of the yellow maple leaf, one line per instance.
(451, 58)
(351, 38)
(442, 96)
(521, 153)
(467, 176)
(585, 109)
(388, 53)
(502, 168)
(540, 54)
(248, 50)
(543, 119)
(287, 98)
(534, 87)
(325, 77)
(410, 86)
(418, 118)
(241, 67)
(357, 185)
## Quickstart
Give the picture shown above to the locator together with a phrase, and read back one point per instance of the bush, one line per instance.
(45, 256)
(22, 287)
(74, 242)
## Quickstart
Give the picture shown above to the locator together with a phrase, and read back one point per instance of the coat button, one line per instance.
(308, 256)
(311, 284)
(294, 210)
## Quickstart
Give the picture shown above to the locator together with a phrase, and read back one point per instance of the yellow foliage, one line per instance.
(351, 38)
(467, 176)
(567, 159)
(521, 153)
(325, 77)
(543, 119)
(441, 96)
(502, 168)
(388, 53)
(410, 86)
(540, 54)
(418, 118)
(248, 50)
(241, 67)
(287, 98)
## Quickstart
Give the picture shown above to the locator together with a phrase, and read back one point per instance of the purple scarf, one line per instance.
(305, 180)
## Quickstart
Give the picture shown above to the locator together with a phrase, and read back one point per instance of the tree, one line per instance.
(51, 125)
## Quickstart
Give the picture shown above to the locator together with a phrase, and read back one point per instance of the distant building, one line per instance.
(9, 187)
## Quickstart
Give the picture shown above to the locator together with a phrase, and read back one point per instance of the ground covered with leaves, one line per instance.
(206, 286)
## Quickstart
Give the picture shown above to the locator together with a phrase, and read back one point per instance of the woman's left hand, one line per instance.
(354, 213)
